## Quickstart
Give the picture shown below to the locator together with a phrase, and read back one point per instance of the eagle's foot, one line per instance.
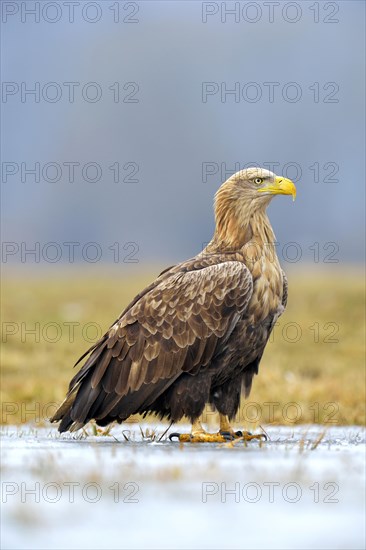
(226, 433)
(248, 436)
(231, 435)
(220, 437)
(245, 436)
(198, 437)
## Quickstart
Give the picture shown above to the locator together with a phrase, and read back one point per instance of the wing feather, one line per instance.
(175, 326)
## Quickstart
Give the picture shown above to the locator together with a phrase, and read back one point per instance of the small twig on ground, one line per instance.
(168, 428)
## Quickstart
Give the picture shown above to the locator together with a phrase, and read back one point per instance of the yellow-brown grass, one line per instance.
(312, 370)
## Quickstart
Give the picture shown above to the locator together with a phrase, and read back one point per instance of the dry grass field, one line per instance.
(312, 370)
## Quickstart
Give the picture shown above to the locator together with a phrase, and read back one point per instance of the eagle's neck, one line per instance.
(262, 232)
(241, 228)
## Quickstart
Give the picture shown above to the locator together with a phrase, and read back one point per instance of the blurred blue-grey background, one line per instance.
(160, 110)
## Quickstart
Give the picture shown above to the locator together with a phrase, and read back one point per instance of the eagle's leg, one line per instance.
(229, 434)
(225, 426)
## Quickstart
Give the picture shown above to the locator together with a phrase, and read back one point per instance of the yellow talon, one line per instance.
(226, 434)
(224, 437)
(198, 438)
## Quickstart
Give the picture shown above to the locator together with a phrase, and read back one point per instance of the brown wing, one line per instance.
(176, 325)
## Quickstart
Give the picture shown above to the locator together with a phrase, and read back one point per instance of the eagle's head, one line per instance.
(257, 184)
(245, 194)
(266, 183)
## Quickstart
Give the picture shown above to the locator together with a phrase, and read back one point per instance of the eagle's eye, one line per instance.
(258, 181)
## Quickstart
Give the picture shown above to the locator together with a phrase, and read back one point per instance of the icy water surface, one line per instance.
(302, 489)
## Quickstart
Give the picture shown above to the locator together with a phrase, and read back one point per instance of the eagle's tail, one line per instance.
(84, 403)
(63, 413)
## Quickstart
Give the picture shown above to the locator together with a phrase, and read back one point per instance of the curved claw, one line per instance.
(174, 435)
(230, 436)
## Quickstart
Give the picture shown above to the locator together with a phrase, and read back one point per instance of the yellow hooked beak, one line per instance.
(280, 186)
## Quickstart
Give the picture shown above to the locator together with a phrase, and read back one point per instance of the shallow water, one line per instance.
(304, 488)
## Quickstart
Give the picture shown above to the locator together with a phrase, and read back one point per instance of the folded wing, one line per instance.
(177, 325)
